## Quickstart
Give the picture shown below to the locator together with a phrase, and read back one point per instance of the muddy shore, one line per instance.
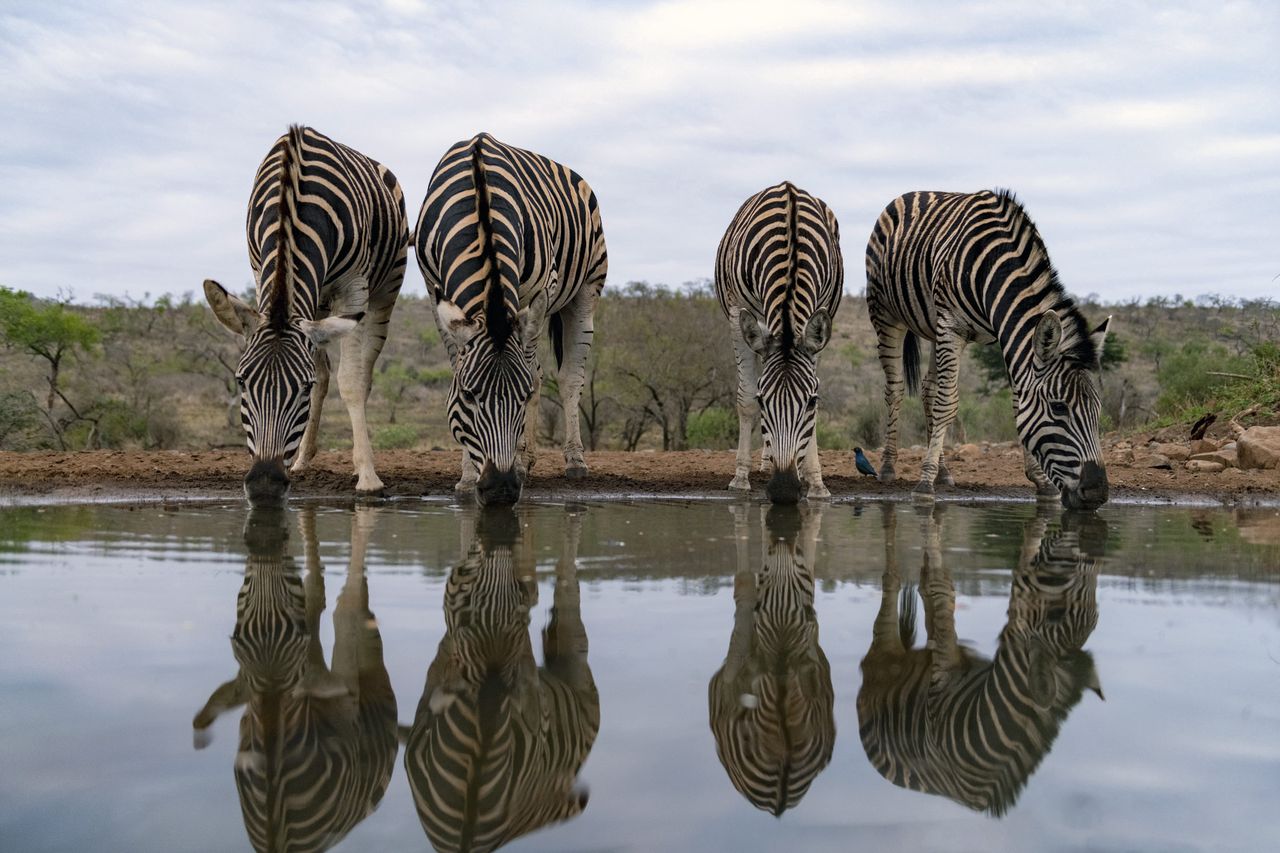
(995, 472)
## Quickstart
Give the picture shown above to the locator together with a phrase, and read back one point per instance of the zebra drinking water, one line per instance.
(497, 742)
(945, 720)
(509, 241)
(955, 268)
(327, 239)
(317, 743)
(779, 278)
(771, 703)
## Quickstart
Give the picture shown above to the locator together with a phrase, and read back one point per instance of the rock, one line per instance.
(1259, 447)
(1203, 445)
(1259, 528)
(966, 452)
(1204, 466)
(1176, 452)
(1225, 454)
(1120, 457)
(1144, 459)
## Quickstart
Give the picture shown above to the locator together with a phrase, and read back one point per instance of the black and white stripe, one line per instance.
(771, 704)
(779, 278)
(945, 720)
(317, 745)
(338, 218)
(509, 241)
(497, 742)
(955, 268)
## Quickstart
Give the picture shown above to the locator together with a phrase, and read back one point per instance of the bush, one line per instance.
(19, 416)
(1184, 374)
(831, 436)
(395, 437)
(715, 428)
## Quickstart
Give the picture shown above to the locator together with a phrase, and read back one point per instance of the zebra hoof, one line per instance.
(575, 472)
(464, 487)
(370, 494)
(923, 490)
(887, 474)
(818, 493)
(740, 483)
(1049, 493)
(944, 478)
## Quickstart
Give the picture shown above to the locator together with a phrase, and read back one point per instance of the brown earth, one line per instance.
(990, 471)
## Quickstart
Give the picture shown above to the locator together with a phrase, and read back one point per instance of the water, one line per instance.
(706, 665)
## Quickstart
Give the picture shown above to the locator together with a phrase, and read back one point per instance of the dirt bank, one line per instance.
(989, 471)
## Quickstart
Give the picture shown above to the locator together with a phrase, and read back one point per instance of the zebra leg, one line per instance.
(927, 392)
(360, 350)
(470, 474)
(578, 328)
(942, 411)
(889, 347)
(748, 405)
(1045, 489)
(813, 472)
(307, 449)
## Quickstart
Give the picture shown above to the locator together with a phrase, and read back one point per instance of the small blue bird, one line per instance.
(864, 466)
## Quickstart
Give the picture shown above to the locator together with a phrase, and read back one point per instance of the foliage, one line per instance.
(991, 361)
(715, 428)
(395, 437)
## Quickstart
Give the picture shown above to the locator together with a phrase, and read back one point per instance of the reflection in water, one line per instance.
(945, 720)
(497, 742)
(317, 743)
(771, 701)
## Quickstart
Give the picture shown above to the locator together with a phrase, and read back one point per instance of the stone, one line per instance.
(1145, 459)
(1121, 457)
(1203, 445)
(966, 452)
(1176, 452)
(1226, 454)
(1204, 466)
(1259, 447)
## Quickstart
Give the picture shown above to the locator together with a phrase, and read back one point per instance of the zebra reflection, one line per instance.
(317, 743)
(945, 720)
(771, 702)
(497, 742)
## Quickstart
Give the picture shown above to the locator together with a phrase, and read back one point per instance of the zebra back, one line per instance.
(780, 259)
(316, 745)
(771, 703)
(945, 720)
(497, 742)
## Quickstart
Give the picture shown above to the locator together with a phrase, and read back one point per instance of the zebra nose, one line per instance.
(496, 487)
(1092, 491)
(784, 486)
(267, 483)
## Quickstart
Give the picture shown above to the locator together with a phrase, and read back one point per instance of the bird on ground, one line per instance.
(864, 466)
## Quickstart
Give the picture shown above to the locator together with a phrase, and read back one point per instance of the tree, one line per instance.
(991, 361)
(51, 332)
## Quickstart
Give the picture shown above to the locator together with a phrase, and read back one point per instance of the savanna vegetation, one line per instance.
(158, 373)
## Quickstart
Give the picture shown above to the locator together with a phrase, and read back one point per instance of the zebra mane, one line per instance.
(280, 295)
(499, 320)
(1077, 345)
(788, 299)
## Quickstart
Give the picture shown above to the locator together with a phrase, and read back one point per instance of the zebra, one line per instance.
(317, 744)
(339, 219)
(771, 703)
(497, 742)
(945, 720)
(779, 278)
(507, 241)
(955, 268)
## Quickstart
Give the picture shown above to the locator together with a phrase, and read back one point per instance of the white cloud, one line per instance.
(1143, 137)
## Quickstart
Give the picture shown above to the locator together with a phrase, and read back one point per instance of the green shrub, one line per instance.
(831, 436)
(1184, 374)
(395, 437)
(715, 428)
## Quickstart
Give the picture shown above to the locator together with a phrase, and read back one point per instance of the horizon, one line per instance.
(1143, 140)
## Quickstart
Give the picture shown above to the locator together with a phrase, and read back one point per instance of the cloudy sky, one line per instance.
(1143, 137)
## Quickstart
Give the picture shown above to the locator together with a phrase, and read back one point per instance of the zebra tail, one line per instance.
(557, 339)
(907, 615)
(911, 362)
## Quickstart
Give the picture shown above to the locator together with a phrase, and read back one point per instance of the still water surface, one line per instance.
(639, 676)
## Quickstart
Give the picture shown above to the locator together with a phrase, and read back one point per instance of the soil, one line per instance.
(993, 472)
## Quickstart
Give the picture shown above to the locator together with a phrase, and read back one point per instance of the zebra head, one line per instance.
(275, 376)
(495, 375)
(788, 396)
(1058, 411)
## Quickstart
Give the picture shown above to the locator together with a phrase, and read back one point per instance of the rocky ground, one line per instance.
(1158, 467)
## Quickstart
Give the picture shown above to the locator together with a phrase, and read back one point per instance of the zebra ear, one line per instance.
(756, 336)
(1048, 336)
(322, 332)
(1099, 337)
(237, 315)
(817, 331)
(455, 320)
